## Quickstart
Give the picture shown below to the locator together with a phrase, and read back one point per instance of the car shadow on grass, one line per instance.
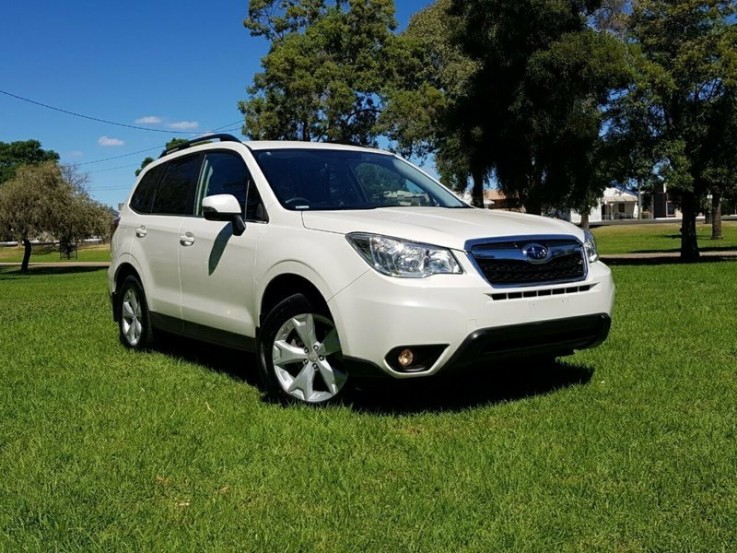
(476, 387)
(457, 391)
(13, 272)
(238, 365)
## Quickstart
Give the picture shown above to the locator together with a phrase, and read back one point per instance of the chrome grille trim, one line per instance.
(505, 262)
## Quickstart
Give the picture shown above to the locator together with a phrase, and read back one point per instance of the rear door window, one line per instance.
(175, 193)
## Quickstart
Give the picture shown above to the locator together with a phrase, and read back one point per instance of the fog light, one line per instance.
(414, 358)
(406, 358)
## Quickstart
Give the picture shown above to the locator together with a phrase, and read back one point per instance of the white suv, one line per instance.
(331, 261)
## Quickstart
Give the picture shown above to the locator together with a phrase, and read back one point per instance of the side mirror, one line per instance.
(224, 207)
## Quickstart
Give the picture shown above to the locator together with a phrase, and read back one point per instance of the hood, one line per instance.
(447, 227)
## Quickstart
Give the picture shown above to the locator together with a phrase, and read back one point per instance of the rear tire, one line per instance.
(134, 322)
(299, 353)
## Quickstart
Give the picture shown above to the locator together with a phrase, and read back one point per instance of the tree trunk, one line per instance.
(585, 221)
(716, 216)
(533, 207)
(689, 244)
(477, 193)
(26, 255)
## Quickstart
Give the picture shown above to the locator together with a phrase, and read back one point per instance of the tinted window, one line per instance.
(144, 193)
(176, 191)
(226, 173)
(255, 210)
(344, 179)
(386, 187)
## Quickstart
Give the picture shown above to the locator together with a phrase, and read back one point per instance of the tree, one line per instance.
(720, 173)
(686, 72)
(22, 152)
(535, 109)
(612, 16)
(45, 198)
(325, 71)
(431, 74)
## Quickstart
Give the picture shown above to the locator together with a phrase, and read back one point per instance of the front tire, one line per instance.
(134, 322)
(299, 353)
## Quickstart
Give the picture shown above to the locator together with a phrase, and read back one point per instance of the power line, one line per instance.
(113, 168)
(117, 157)
(221, 128)
(107, 122)
(229, 124)
(109, 188)
(133, 153)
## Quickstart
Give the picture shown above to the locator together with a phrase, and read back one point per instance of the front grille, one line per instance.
(508, 264)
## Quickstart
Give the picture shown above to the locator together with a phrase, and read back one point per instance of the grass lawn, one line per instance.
(630, 447)
(50, 254)
(660, 237)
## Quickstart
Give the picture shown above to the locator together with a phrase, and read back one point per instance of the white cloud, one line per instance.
(106, 141)
(184, 125)
(148, 120)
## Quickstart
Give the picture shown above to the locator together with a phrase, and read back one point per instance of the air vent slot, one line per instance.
(504, 296)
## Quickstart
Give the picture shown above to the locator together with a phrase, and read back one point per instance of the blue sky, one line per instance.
(179, 67)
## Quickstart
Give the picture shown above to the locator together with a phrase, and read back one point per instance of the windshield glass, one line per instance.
(340, 179)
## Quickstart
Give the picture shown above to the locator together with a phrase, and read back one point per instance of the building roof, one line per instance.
(613, 195)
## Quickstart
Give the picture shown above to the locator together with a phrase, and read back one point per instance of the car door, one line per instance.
(216, 266)
(164, 201)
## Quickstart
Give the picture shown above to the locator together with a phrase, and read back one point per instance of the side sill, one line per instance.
(203, 333)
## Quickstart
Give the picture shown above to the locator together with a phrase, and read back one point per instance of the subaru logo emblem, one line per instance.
(536, 253)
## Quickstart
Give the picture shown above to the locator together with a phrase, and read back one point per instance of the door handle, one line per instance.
(186, 239)
(141, 231)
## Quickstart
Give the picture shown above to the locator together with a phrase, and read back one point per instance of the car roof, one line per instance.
(257, 145)
(206, 142)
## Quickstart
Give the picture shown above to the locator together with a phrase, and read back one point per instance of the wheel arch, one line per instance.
(288, 284)
(123, 271)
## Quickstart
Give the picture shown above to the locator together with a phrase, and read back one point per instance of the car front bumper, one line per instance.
(462, 320)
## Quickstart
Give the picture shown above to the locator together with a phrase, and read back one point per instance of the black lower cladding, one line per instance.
(544, 338)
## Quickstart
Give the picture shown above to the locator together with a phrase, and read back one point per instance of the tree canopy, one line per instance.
(432, 74)
(535, 108)
(22, 152)
(325, 71)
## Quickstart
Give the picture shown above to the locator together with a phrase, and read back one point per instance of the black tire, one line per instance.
(299, 355)
(134, 321)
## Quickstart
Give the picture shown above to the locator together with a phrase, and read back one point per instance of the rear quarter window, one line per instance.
(143, 195)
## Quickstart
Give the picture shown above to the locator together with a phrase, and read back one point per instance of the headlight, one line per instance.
(400, 258)
(590, 246)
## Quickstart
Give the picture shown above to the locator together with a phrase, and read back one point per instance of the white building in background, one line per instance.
(615, 204)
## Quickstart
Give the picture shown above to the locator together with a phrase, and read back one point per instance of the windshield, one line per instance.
(339, 179)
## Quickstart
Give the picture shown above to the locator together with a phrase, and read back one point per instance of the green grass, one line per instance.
(628, 447)
(660, 237)
(50, 254)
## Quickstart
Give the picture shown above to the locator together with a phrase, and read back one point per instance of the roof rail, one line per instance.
(204, 138)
